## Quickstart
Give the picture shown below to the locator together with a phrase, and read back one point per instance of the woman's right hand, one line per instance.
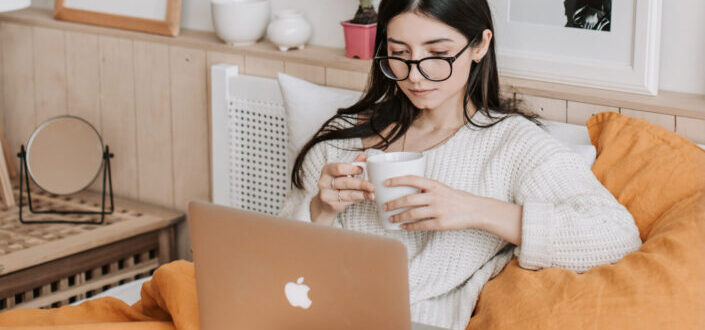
(352, 190)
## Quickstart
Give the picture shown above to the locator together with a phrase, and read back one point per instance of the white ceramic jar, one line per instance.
(289, 29)
(240, 22)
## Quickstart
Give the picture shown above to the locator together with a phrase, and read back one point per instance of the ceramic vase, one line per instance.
(240, 22)
(289, 29)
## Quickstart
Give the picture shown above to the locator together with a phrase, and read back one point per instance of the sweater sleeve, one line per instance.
(297, 202)
(569, 219)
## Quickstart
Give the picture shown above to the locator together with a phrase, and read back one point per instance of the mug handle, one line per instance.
(364, 169)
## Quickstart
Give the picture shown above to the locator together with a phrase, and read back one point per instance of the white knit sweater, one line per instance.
(570, 220)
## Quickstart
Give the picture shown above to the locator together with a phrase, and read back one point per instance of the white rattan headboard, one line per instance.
(249, 138)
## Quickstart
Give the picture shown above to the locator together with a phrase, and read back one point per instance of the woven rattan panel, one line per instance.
(15, 236)
(258, 145)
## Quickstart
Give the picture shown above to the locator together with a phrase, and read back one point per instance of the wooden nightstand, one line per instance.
(50, 265)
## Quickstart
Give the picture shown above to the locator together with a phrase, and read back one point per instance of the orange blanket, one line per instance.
(168, 302)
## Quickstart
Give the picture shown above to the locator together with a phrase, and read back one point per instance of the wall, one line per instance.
(682, 38)
(148, 97)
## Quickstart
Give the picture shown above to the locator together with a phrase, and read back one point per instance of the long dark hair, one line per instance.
(385, 104)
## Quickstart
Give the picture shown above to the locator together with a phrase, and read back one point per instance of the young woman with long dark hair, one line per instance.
(496, 184)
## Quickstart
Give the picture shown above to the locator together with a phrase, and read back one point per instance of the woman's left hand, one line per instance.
(437, 206)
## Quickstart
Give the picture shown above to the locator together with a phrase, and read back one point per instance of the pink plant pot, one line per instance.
(359, 40)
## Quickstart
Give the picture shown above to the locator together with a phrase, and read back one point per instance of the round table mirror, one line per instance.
(64, 155)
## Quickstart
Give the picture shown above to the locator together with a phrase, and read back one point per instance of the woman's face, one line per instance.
(412, 37)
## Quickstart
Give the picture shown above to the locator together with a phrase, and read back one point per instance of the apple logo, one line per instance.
(297, 294)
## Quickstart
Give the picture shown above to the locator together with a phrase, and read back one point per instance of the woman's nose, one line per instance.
(414, 74)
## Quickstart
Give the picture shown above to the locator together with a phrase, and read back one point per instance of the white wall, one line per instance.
(683, 46)
(682, 38)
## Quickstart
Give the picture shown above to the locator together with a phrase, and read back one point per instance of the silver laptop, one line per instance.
(255, 271)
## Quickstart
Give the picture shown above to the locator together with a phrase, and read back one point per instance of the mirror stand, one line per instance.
(24, 175)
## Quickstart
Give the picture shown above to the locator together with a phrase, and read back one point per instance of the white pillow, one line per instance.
(574, 136)
(308, 106)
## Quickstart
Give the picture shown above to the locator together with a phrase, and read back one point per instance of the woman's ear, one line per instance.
(479, 52)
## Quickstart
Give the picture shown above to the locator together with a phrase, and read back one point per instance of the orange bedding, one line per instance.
(658, 175)
(168, 302)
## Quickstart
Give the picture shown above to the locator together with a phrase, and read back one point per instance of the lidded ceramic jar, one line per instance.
(289, 29)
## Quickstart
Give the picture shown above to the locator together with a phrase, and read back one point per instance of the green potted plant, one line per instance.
(360, 32)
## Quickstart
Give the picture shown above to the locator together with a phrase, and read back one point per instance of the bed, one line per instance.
(251, 151)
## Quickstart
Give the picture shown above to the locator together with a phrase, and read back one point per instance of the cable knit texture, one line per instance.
(569, 220)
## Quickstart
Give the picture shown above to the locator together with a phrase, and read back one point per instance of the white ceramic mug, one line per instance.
(383, 166)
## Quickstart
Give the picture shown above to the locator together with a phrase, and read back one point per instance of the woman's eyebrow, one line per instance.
(425, 43)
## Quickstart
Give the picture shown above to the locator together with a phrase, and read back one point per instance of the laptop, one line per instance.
(256, 271)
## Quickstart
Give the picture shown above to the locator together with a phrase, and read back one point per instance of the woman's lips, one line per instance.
(421, 92)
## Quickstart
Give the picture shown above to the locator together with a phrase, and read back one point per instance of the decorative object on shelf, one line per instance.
(64, 156)
(289, 29)
(10, 5)
(603, 44)
(360, 32)
(240, 22)
(152, 16)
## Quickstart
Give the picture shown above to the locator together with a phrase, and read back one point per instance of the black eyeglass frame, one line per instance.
(449, 59)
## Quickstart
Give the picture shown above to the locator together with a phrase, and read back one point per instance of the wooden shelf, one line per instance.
(667, 102)
(318, 55)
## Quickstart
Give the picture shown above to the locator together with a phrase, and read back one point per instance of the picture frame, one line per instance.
(623, 58)
(151, 16)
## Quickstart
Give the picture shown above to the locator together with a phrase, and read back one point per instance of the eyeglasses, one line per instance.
(435, 68)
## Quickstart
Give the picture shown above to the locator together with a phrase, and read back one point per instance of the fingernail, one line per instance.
(386, 182)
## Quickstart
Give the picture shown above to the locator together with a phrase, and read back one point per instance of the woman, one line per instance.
(496, 184)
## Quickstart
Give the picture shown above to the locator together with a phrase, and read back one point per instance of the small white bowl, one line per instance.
(240, 22)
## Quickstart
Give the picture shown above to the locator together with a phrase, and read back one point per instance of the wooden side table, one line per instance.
(50, 265)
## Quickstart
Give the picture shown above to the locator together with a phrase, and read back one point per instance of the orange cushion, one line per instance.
(660, 177)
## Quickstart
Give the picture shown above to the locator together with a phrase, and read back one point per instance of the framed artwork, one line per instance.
(152, 16)
(594, 43)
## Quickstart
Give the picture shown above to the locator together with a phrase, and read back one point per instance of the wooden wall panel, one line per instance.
(117, 104)
(189, 125)
(83, 77)
(18, 69)
(264, 67)
(49, 73)
(579, 113)
(346, 79)
(214, 57)
(666, 121)
(153, 116)
(691, 128)
(83, 82)
(546, 108)
(313, 73)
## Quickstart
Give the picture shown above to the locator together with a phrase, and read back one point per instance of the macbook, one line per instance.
(256, 271)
